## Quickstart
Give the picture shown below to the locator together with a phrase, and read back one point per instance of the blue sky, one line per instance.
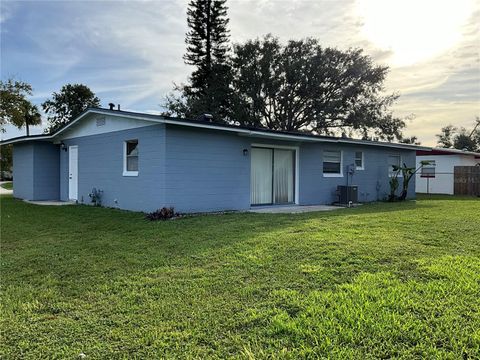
(130, 52)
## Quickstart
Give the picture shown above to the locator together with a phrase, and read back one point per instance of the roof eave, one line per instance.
(239, 130)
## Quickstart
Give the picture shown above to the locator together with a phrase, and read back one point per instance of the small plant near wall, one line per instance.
(162, 214)
(96, 196)
(407, 174)
(393, 187)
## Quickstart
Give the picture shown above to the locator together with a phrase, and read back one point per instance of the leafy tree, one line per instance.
(5, 160)
(410, 140)
(445, 137)
(463, 141)
(460, 138)
(65, 105)
(15, 108)
(207, 50)
(303, 86)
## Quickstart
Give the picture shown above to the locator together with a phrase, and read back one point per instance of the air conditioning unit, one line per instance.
(347, 194)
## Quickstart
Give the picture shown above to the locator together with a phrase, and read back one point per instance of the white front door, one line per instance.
(73, 172)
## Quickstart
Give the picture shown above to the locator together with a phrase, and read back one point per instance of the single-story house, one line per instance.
(438, 176)
(143, 162)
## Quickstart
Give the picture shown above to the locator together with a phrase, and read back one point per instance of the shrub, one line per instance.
(162, 214)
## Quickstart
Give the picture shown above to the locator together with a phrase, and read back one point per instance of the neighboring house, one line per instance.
(438, 176)
(145, 162)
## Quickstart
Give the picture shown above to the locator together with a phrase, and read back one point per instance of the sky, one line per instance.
(130, 51)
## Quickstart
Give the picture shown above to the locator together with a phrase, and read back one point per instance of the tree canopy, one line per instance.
(15, 108)
(65, 105)
(304, 86)
(460, 138)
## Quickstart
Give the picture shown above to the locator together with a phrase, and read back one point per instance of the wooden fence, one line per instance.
(466, 180)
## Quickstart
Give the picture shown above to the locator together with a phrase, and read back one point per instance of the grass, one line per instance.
(7, 185)
(379, 281)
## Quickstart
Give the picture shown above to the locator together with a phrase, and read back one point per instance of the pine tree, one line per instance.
(207, 50)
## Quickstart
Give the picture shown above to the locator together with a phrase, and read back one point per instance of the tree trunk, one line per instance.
(208, 60)
(27, 128)
(403, 195)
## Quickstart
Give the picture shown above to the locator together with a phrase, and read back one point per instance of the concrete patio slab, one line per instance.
(50, 202)
(293, 209)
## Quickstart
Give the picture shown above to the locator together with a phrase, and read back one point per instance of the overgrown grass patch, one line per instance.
(381, 281)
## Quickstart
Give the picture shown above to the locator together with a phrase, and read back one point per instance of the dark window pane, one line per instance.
(132, 147)
(331, 167)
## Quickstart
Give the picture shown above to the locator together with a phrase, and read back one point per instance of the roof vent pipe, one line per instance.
(111, 105)
(205, 117)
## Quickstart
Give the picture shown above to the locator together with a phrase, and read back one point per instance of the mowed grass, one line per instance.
(379, 281)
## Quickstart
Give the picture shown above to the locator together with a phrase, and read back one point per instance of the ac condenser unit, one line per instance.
(347, 194)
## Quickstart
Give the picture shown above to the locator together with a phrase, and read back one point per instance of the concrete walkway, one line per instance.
(293, 209)
(5, 191)
(50, 202)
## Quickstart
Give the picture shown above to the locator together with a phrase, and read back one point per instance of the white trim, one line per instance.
(72, 123)
(125, 171)
(297, 163)
(333, 175)
(363, 160)
(89, 127)
(24, 138)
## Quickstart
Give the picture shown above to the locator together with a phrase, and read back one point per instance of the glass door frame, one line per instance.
(296, 162)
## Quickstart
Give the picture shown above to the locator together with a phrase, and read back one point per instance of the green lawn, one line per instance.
(378, 281)
(7, 185)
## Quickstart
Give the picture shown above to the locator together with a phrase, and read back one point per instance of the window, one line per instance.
(393, 160)
(428, 171)
(130, 158)
(332, 163)
(359, 160)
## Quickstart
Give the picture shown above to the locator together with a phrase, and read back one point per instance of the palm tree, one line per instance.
(31, 116)
(15, 108)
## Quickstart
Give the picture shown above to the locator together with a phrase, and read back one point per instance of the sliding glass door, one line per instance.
(272, 176)
(261, 176)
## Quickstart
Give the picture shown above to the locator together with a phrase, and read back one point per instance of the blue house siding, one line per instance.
(191, 169)
(100, 166)
(206, 170)
(372, 182)
(46, 183)
(23, 171)
(35, 171)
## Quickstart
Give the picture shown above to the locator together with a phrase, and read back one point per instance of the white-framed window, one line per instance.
(130, 158)
(332, 163)
(394, 160)
(428, 171)
(359, 164)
